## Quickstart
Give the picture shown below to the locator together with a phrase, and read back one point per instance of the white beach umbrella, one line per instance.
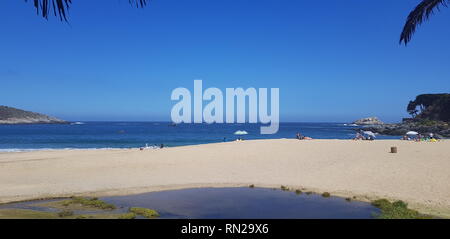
(240, 132)
(412, 133)
(370, 133)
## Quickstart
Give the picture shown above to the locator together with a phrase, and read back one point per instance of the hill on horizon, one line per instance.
(10, 115)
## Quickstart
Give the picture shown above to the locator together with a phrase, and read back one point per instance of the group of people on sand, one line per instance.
(361, 136)
(155, 146)
(299, 136)
(419, 137)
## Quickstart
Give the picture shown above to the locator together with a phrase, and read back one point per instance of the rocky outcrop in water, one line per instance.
(369, 121)
(9, 115)
(438, 128)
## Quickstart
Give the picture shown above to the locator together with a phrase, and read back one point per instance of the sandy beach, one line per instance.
(418, 174)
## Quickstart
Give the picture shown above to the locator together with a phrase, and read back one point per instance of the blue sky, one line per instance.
(332, 60)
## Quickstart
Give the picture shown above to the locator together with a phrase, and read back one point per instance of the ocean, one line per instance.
(97, 135)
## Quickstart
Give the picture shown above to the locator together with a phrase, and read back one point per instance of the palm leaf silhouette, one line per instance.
(422, 12)
(60, 7)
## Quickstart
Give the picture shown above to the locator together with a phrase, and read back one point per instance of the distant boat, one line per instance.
(240, 132)
(76, 123)
(173, 124)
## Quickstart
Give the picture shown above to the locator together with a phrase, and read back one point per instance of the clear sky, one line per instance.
(333, 61)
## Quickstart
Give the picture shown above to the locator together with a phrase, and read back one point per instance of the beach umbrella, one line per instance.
(370, 133)
(240, 132)
(412, 133)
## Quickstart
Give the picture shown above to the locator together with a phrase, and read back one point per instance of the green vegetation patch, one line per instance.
(79, 203)
(284, 188)
(67, 208)
(326, 194)
(26, 214)
(145, 212)
(129, 215)
(65, 213)
(104, 216)
(396, 210)
(90, 202)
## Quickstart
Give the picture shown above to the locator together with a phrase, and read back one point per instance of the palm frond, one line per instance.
(422, 12)
(61, 7)
(138, 3)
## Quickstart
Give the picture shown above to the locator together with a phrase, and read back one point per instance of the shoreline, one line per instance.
(19, 150)
(339, 167)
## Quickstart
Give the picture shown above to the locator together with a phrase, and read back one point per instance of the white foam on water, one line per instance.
(50, 149)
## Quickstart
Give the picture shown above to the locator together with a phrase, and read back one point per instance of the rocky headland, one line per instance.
(430, 114)
(9, 115)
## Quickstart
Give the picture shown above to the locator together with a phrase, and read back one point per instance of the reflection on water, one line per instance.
(235, 203)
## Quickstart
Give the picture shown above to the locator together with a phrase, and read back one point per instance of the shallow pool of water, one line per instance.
(245, 203)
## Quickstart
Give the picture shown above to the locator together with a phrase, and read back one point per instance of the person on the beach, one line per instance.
(300, 136)
(358, 136)
(419, 138)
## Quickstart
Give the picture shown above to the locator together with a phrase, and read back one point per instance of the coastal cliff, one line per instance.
(9, 115)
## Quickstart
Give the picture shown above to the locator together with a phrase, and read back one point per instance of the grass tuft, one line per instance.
(65, 213)
(145, 212)
(298, 192)
(83, 217)
(26, 214)
(129, 215)
(284, 188)
(326, 194)
(89, 202)
(396, 210)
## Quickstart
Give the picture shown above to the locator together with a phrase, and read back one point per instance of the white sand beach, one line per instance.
(418, 174)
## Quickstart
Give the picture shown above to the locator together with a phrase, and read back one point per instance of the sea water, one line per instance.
(94, 135)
